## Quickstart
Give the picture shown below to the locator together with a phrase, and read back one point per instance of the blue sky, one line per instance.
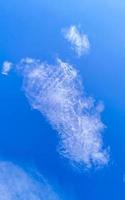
(34, 29)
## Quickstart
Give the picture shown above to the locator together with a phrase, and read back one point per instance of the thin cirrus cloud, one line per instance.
(56, 91)
(78, 40)
(6, 67)
(18, 184)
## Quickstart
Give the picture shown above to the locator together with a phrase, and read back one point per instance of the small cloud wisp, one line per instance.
(6, 67)
(79, 41)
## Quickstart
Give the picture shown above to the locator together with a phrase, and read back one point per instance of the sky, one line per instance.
(62, 97)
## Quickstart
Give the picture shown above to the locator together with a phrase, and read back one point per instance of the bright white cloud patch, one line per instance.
(6, 67)
(57, 92)
(79, 41)
(18, 184)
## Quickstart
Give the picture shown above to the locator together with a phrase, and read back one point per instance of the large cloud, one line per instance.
(57, 92)
(18, 184)
(79, 41)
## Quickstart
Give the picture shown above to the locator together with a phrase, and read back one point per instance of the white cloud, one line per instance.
(18, 184)
(57, 92)
(6, 67)
(79, 41)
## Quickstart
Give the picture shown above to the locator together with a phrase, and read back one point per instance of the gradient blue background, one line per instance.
(33, 28)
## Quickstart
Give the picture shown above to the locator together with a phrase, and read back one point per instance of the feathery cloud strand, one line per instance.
(57, 92)
(18, 184)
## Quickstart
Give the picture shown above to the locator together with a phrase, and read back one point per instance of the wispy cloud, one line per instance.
(6, 67)
(18, 184)
(57, 92)
(78, 40)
